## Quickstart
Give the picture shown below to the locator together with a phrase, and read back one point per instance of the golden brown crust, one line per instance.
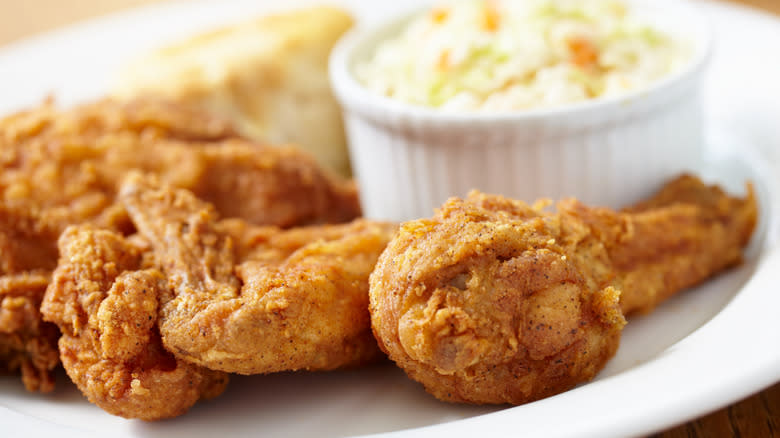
(59, 168)
(683, 235)
(148, 118)
(66, 166)
(257, 300)
(494, 301)
(481, 304)
(106, 305)
(27, 344)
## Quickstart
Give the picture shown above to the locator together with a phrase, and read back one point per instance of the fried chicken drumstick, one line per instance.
(495, 301)
(59, 168)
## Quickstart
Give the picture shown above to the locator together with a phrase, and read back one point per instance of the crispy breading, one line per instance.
(106, 304)
(27, 344)
(496, 301)
(257, 300)
(59, 168)
(66, 165)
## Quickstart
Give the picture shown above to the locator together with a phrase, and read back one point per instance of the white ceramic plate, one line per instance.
(702, 350)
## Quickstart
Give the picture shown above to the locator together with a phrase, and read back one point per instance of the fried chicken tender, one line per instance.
(59, 168)
(257, 300)
(495, 301)
(106, 303)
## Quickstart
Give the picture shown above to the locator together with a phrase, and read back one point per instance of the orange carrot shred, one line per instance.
(440, 15)
(444, 61)
(583, 52)
(491, 20)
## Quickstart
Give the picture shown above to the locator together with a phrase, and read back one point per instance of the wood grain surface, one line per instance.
(757, 416)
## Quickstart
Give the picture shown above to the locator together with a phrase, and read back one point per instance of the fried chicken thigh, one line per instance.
(59, 168)
(257, 300)
(495, 301)
(105, 300)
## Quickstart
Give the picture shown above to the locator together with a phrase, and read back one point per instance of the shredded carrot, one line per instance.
(439, 15)
(491, 20)
(583, 52)
(444, 61)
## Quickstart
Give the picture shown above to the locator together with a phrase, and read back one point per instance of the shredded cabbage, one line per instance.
(503, 55)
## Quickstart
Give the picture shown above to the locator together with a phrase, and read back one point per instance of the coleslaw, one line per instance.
(505, 55)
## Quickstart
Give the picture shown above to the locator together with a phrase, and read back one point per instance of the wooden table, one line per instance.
(757, 416)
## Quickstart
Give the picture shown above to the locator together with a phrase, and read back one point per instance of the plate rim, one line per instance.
(770, 255)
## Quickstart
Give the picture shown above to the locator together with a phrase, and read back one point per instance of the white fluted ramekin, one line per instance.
(612, 151)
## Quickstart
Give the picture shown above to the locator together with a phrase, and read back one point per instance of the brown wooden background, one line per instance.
(755, 417)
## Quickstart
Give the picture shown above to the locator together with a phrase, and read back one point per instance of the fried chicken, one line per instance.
(256, 300)
(105, 300)
(27, 344)
(27, 254)
(495, 301)
(59, 168)
(66, 165)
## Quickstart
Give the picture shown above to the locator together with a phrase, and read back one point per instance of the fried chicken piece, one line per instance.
(67, 165)
(495, 301)
(27, 344)
(26, 244)
(681, 236)
(257, 300)
(106, 303)
(64, 167)
(59, 168)
(150, 118)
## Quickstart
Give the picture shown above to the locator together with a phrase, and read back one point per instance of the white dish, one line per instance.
(702, 350)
